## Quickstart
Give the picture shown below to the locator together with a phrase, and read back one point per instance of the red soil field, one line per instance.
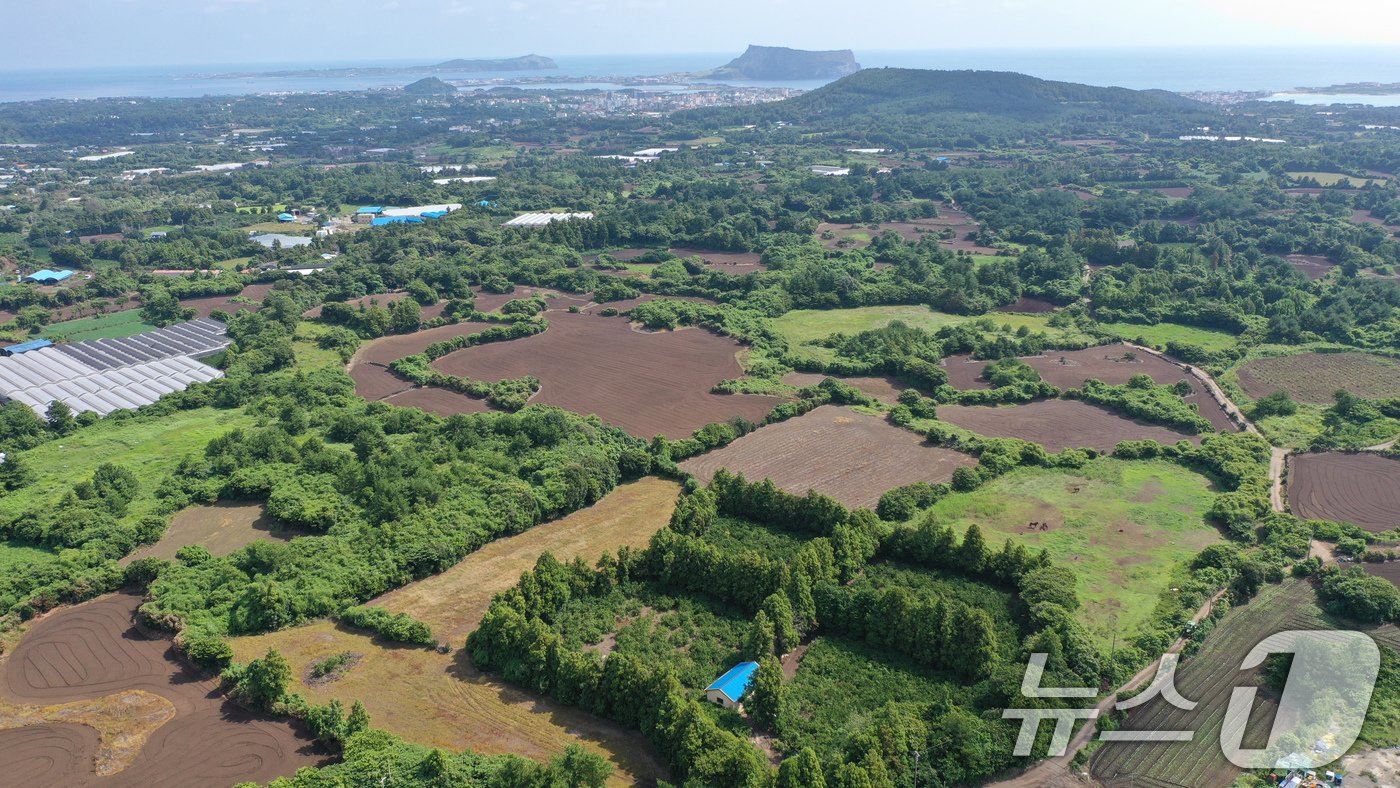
(369, 367)
(1315, 377)
(490, 302)
(735, 263)
(1028, 305)
(1103, 363)
(850, 456)
(1311, 265)
(1058, 424)
(646, 383)
(1362, 488)
(883, 389)
(93, 650)
(203, 307)
(439, 402)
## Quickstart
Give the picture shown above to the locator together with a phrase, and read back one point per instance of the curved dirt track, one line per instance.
(93, 650)
(646, 383)
(1362, 488)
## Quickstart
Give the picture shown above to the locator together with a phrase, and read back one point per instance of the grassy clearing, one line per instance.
(113, 325)
(16, 558)
(1123, 527)
(441, 700)
(1334, 178)
(149, 449)
(309, 355)
(805, 325)
(286, 228)
(1159, 335)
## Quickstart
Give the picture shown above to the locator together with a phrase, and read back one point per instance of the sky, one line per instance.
(58, 33)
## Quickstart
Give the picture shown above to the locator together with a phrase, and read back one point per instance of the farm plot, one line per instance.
(646, 383)
(884, 389)
(92, 651)
(490, 302)
(1058, 424)
(113, 325)
(1113, 364)
(441, 700)
(1314, 377)
(1312, 266)
(1160, 334)
(221, 528)
(1209, 677)
(1028, 305)
(370, 365)
(381, 299)
(850, 456)
(203, 307)
(1362, 489)
(735, 263)
(1123, 527)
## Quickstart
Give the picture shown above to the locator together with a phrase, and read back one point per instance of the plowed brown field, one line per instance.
(203, 307)
(646, 383)
(93, 650)
(1314, 377)
(852, 457)
(1058, 424)
(370, 365)
(1363, 489)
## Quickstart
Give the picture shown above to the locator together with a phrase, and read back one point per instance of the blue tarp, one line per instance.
(735, 682)
(25, 347)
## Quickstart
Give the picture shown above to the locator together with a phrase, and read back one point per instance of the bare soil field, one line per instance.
(646, 383)
(1314, 377)
(1029, 305)
(884, 389)
(852, 457)
(439, 402)
(203, 307)
(441, 700)
(1058, 424)
(1311, 265)
(382, 299)
(1362, 488)
(1174, 192)
(1108, 363)
(490, 302)
(221, 529)
(370, 365)
(1362, 216)
(92, 651)
(736, 263)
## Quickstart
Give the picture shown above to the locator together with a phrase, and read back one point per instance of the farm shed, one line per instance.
(729, 689)
(420, 210)
(541, 219)
(286, 217)
(47, 277)
(380, 221)
(286, 241)
(104, 375)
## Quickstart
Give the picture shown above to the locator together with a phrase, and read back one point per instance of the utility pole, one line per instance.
(917, 755)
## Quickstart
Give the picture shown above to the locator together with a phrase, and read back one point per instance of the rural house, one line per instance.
(728, 689)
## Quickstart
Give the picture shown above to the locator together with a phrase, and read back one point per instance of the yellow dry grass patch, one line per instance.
(123, 721)
(441, 700)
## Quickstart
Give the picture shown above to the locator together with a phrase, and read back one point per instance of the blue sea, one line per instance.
(1180, 69)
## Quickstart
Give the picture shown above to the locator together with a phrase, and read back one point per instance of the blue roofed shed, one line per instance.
(47, 276)
(380, 221)
(433, 214)
(286, 217)
(25, 347)
(727, 690)
(371, 209)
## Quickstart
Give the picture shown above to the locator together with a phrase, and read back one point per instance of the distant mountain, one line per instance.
(885, 91)
(522, 63)
(759, 62)
(430, 86)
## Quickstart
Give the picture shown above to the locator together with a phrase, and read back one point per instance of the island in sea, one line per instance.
(762, 62)
(522, 63)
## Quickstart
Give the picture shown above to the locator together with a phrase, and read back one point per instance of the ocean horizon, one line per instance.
(1273, 69)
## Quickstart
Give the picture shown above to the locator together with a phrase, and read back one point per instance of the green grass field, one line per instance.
(112, 325)
(1159, 335)
(1123, 527)
(804, 325)
(148, 448)
(308, 354)
(15, 558)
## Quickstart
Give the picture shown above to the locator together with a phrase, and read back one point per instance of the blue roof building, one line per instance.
(728, 689)
(485, 204)
(371, 209)
(47, 277)
(433, 214)
(25, 347)
(380, 221)
(286, 217)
